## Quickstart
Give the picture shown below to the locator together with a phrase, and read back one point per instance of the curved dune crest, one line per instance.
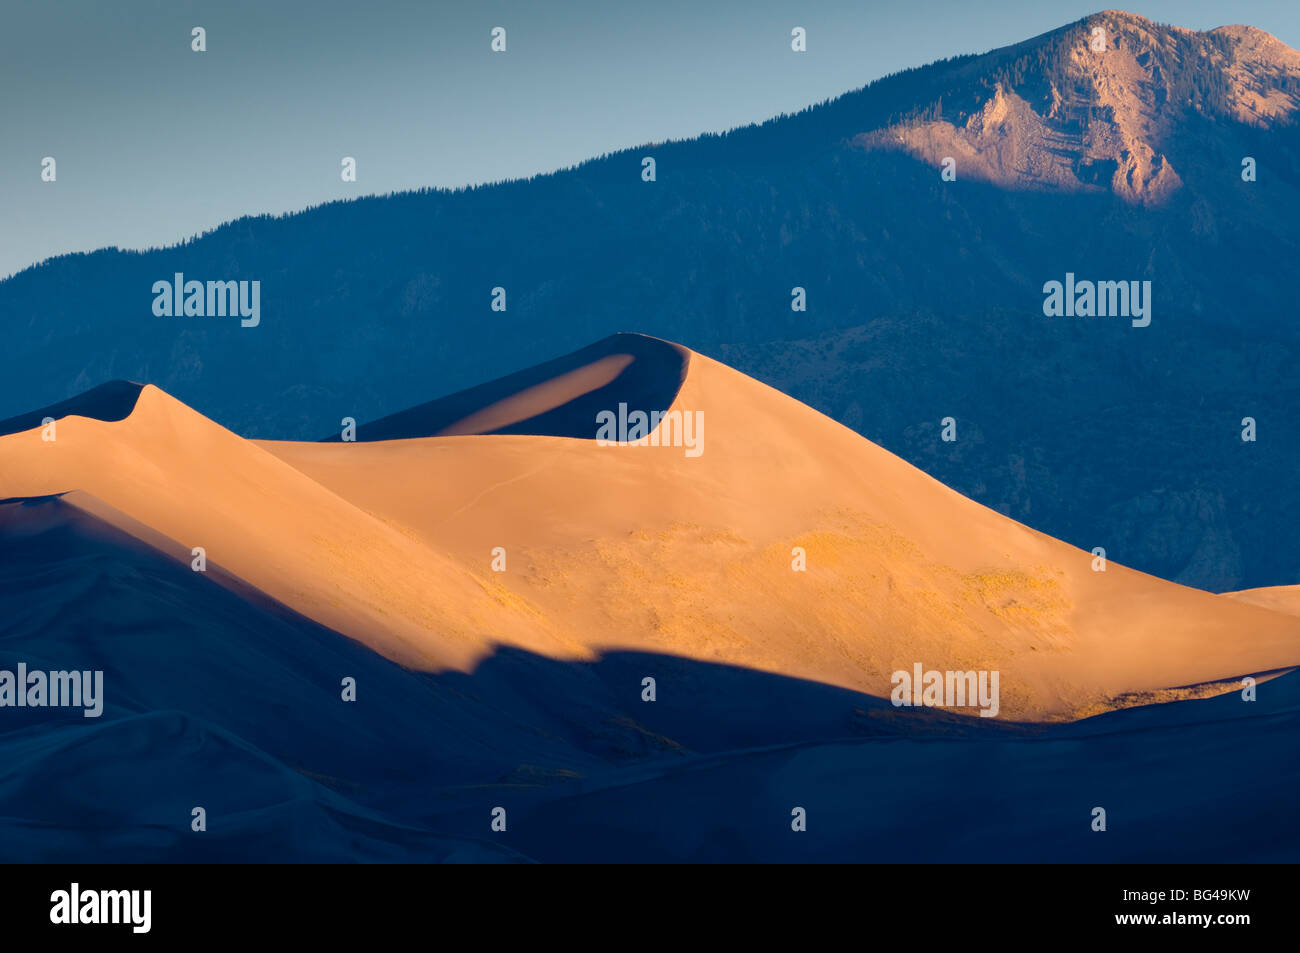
(558, 398)
(108, 402)
(789, 544)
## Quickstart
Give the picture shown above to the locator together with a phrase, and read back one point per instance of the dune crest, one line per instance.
(1277, 598)
(558, 398)
(108, 402)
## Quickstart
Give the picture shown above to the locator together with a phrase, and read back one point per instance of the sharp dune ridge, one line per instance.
(1278, 598)
(558, 398)
(626, 548)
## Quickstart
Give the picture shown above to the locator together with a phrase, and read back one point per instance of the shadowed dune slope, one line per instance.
(112, 401)
(213, 694)
(646, 548)
(1166, 770)
(559, 398)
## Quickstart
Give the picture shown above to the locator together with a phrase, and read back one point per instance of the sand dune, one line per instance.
(644, 548)
(195, 483)
(216, 697)
(1278, 598)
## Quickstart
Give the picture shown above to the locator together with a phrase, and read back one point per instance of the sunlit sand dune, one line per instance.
(199, 485)
(1278, 598)
(641, 547)
(773, 538)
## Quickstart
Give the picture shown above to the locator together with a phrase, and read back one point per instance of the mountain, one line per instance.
(925, 297)
(1110, 114)
(520, 683)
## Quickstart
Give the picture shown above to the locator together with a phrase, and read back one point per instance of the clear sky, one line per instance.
(154, 142)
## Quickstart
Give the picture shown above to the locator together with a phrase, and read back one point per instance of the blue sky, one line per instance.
(155, 142)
